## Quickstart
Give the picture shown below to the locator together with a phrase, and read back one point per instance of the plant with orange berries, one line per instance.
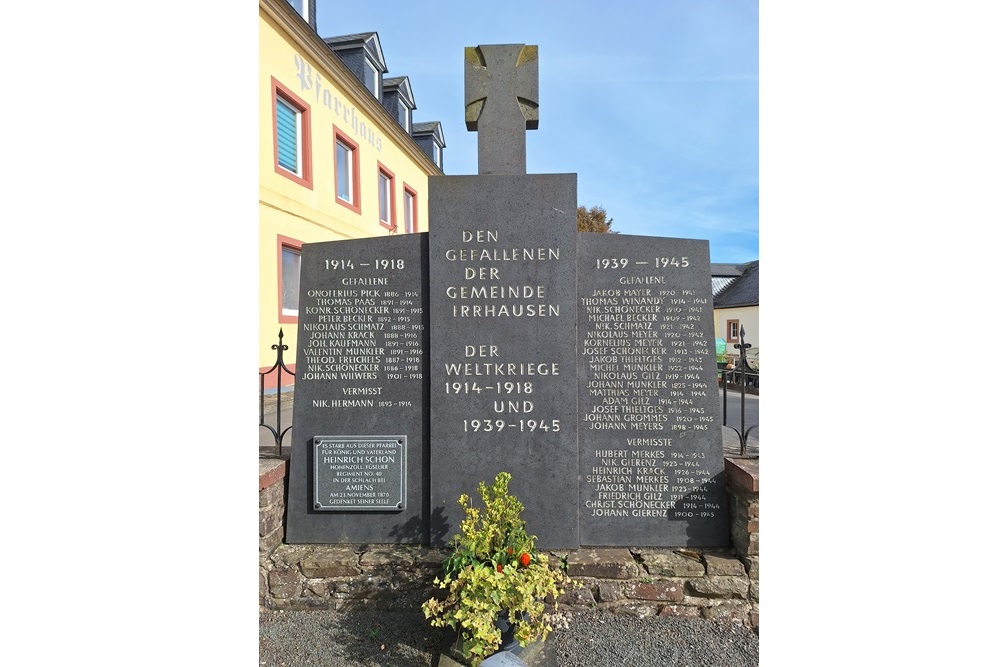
(494, 569)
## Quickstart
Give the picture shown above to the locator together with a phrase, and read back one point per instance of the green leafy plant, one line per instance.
(495, 568)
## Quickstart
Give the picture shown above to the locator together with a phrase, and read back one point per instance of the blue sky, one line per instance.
(654, 105)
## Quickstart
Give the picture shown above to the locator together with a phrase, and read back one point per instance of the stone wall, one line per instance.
(717, 584)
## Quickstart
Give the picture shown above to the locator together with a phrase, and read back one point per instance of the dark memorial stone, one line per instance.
(502, 260)
(360, 444)
(651, 465)
(504, 340)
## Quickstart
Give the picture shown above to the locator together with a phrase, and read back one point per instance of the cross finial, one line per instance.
(501, 102)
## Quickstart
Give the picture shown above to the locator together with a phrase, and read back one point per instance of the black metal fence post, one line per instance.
(744, 374)
(279, 366)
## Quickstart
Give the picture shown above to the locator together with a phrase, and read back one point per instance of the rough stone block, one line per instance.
(287, 556)
(602, 564)
(610, 591)
(729, 610)
(269, 520)
(663, 591)
(284, 583)
(752, 545)
(752, 564)
(638, 610)
(724, 564)
(389, 557)
(679, 610)
(720, 587)
(271, 540)
(695, 601)
(671, 564)
(421, 578)
(272, 473)
(272, 495)
(331, 562)
(577, 596)
(755, 591)
(361, 588)
(318, 587)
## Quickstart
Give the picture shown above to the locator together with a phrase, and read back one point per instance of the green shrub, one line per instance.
(494, 568)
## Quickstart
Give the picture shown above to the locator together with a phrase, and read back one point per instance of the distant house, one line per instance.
(736, 302)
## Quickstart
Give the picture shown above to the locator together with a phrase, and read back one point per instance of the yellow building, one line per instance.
(340, 155)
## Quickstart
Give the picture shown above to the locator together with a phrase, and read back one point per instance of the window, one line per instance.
(733, 331)
(404, 116)
(386, 197)
(437, 156)
(409, 210)
(292, 140)
(371, 79)
(346, 171)
(289, 264)
(289, 132)
(301, 6)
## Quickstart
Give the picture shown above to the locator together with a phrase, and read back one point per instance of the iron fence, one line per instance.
(740, 377)
(279, 365)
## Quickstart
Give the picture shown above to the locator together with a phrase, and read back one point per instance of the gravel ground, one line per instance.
(592, 639)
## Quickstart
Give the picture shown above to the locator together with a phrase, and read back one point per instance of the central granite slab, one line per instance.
(502, 263)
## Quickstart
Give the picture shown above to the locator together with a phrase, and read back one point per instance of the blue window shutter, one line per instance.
(288, 139)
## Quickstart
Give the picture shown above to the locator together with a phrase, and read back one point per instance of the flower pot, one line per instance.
(507, 641)
(508, 644)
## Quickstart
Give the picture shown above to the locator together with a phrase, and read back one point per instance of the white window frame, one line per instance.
(732, 331)
(301, 6)
(375, 88)
(289, 312)
(386, 197)
(405, 113)
(348, 171)
(409, 210)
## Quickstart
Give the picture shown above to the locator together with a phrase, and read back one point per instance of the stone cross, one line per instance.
(501, 102)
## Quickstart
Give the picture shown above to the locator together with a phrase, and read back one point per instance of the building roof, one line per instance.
(353, 37)
(368, 41)
(400, 84)
(433, 128)
(720, 283)
(734, 291)
(730, 270)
